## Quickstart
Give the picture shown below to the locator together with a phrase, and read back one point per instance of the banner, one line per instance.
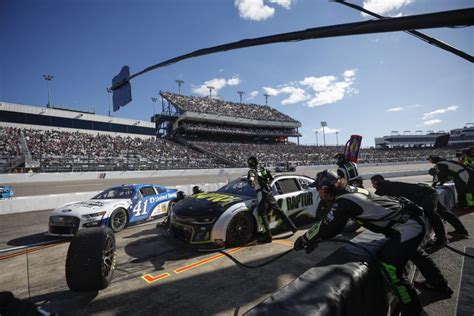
(351, 150)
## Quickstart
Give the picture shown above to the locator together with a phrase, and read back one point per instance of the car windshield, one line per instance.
(239, 187)
(115, 193)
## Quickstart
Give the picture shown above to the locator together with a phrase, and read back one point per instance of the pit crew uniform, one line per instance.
(402, 226)
(462, 176)
(260, 178)
(426, 197)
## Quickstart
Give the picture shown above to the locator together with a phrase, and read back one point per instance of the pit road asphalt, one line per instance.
(181, 280)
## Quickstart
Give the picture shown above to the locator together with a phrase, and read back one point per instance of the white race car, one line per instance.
(115, 207)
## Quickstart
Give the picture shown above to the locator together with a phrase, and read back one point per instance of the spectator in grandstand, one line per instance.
(463, 180)
(423, 195)
(260, 178)
(399, 222)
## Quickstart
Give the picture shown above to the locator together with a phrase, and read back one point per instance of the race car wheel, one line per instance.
(118, 220)
(90, 260)
(240, 230)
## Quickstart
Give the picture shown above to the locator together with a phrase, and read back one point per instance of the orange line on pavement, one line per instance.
(204, 261)
(284, 242)
(150, 279)
(33, 249)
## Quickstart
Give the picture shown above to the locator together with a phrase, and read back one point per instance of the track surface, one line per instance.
(43, 188)
(158, 275)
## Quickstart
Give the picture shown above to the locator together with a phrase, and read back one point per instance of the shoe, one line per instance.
(437, 243)
(444, 290)
(459, 234)
(264, 239)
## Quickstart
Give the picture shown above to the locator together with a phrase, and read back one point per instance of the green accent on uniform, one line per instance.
(469, 199)
(401, 289)
(313, 231)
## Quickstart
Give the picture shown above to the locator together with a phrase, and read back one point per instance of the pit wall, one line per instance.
(51, 201)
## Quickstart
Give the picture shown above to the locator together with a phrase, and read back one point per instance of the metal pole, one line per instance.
(240, 94)
(266, 95)
(154, 101)
(324, 138)
(179, 82)
(48, 78)
(337, 140)
(210, 91)
(109, 96)
(316, 133)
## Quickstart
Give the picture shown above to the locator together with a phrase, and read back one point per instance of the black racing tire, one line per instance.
(118, 220)
(240, 230)
(90, 261)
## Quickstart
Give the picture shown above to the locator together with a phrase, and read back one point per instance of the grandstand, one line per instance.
(459, 137)
(190, 132)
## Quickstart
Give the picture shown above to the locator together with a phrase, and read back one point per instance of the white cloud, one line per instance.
(322, 90)
(328, 90)
(284, 3)
(439, 111)
(413, 106)
(254, 10)
(385, 7)
(395, 109)
(217, 83)
(296, 94)
(221, 70)
(431, 122)
(252, 95)
(327, 130)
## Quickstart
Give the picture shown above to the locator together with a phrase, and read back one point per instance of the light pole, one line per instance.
(179, 82)
(109, 91)
(210, 91)
(240, 94)
(266, 95)
(323, 125)
(337, 139)
(153, 99)
(48, 78)
(316, 133)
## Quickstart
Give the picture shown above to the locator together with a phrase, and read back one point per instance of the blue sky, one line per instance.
(368, 84)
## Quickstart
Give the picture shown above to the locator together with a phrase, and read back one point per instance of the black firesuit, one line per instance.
(423, 195)
(462, 176)
(260, 178)
(398, 222)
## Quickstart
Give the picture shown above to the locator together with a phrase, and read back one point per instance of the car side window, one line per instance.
(304, 183)
(147, 191)
(288, 185)
(159, 189)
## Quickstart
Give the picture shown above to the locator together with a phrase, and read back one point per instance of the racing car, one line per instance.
(6, 192)
(115, 207)
(228, 216)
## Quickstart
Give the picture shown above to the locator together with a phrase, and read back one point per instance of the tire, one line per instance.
(118, 220)
(241, 229)
(90, 261)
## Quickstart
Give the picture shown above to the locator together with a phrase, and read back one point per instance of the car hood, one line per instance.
(89, 206)
(210, 204)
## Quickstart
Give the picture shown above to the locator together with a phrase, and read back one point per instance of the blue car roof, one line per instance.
(137, 186)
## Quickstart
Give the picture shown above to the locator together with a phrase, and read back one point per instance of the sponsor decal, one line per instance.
(216, 197)
(66, 211)
(299, 201)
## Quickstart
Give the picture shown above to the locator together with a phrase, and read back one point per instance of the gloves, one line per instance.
(303, 243)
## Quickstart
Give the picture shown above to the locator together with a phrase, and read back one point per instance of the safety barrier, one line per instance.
(51, 201)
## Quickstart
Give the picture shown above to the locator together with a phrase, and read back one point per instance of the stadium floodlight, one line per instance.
(48, 79)
(454, 18)
(210, 91)
(179, 82)
(337, 139)
(323, 125)
(240, 95)
(266, 95)
(153, 99)
(109, 91)
(316, 132)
